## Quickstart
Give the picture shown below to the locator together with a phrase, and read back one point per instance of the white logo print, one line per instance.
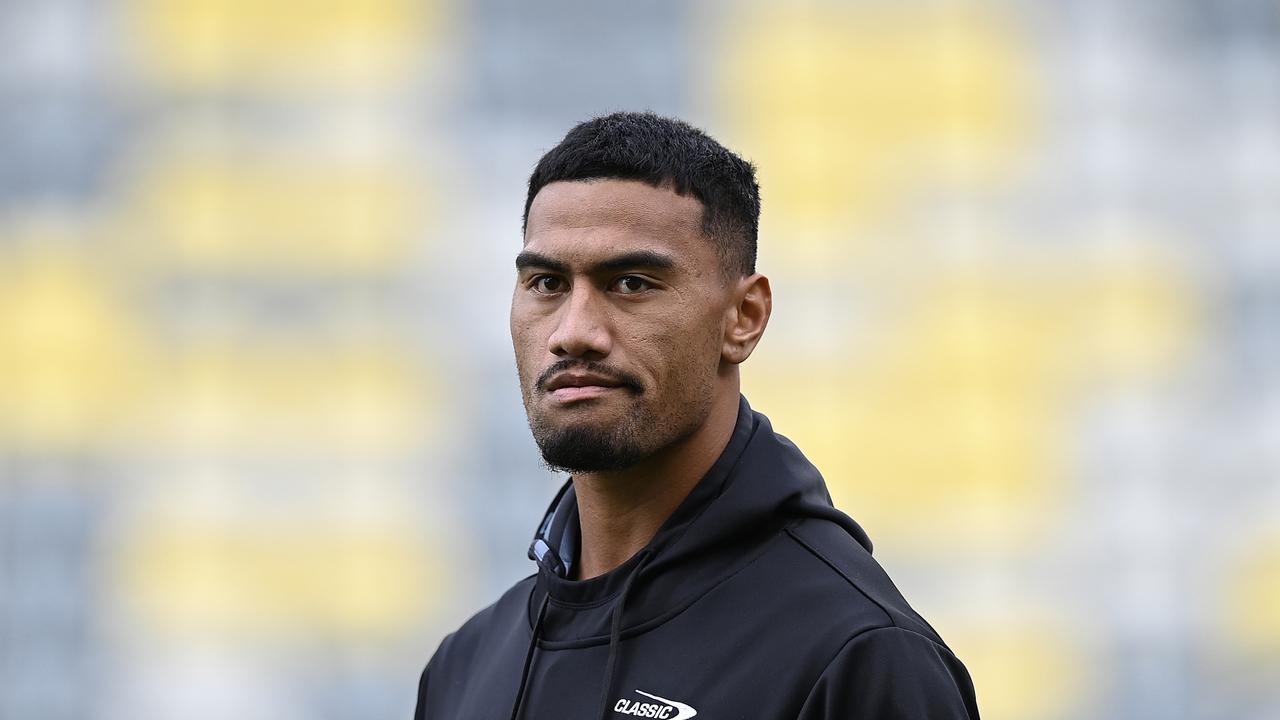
(661, 711)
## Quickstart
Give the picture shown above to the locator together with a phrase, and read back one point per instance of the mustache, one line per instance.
(625, 379)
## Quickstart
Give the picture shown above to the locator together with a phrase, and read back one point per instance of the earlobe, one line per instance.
(753, 303)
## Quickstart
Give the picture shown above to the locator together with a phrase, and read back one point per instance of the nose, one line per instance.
(582, 329)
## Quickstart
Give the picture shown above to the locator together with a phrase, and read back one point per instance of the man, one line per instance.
(693, 564)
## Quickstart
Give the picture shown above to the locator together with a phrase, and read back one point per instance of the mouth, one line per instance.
(574, 393)
(572, 386)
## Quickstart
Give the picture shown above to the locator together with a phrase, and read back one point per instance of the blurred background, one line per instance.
(261, 442)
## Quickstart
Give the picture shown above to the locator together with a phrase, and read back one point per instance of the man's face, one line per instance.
(617, 321)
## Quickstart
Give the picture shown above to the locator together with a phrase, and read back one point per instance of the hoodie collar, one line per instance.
(555, 545)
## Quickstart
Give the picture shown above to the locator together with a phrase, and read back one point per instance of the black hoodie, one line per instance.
(756, 599)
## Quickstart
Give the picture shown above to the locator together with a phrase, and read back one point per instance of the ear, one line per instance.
(746, 318)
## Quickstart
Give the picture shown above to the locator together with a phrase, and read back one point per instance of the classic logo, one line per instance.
(664, 709)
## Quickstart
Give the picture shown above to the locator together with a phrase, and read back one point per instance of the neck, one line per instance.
(620, 512)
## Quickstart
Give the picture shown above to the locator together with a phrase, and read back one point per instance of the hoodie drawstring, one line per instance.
(615, 637)
(528, 657)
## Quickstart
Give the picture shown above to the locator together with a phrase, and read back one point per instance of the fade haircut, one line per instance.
(662, 151)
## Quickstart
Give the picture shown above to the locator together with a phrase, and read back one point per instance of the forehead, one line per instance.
(600, 216)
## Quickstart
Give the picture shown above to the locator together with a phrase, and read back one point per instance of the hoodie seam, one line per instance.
(859, 635)
(569, 605)
(826, 561)
(658, 621)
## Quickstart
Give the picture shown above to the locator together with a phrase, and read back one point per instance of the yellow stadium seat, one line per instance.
(281, 213)
(849, 108)
(1024, 668)
(260, 579)
(948, 428)
(346, 398)
(73, 358)
(280, 45)
(1252, 600)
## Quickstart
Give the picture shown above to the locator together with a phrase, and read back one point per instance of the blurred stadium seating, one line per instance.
(261, 441)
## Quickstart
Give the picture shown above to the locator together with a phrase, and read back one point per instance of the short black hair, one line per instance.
(663, 151)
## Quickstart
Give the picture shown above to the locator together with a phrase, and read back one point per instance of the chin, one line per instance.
(580, 419)
(587, 446)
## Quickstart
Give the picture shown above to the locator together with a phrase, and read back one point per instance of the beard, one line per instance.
(588, 448)
(642, 430)
(595, 447)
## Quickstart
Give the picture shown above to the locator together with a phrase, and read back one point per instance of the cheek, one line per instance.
(524, 332)
(526, 347)
(688, 356)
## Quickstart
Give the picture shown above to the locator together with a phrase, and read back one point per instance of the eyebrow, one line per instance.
(531, 259)
(635, 259)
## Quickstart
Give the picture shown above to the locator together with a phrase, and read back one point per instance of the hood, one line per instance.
(760, 484)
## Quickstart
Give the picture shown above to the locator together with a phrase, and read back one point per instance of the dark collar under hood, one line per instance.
(760, 484)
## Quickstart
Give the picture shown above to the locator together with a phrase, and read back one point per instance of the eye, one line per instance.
(631, 284)
(547, 284)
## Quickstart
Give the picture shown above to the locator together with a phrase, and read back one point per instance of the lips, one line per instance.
(569, 381)
(569, 387)
(580, 380)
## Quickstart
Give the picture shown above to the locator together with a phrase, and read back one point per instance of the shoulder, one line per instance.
(482, 647)
(491, 624)
(887, 661)
(892, 673)
(859, 591)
